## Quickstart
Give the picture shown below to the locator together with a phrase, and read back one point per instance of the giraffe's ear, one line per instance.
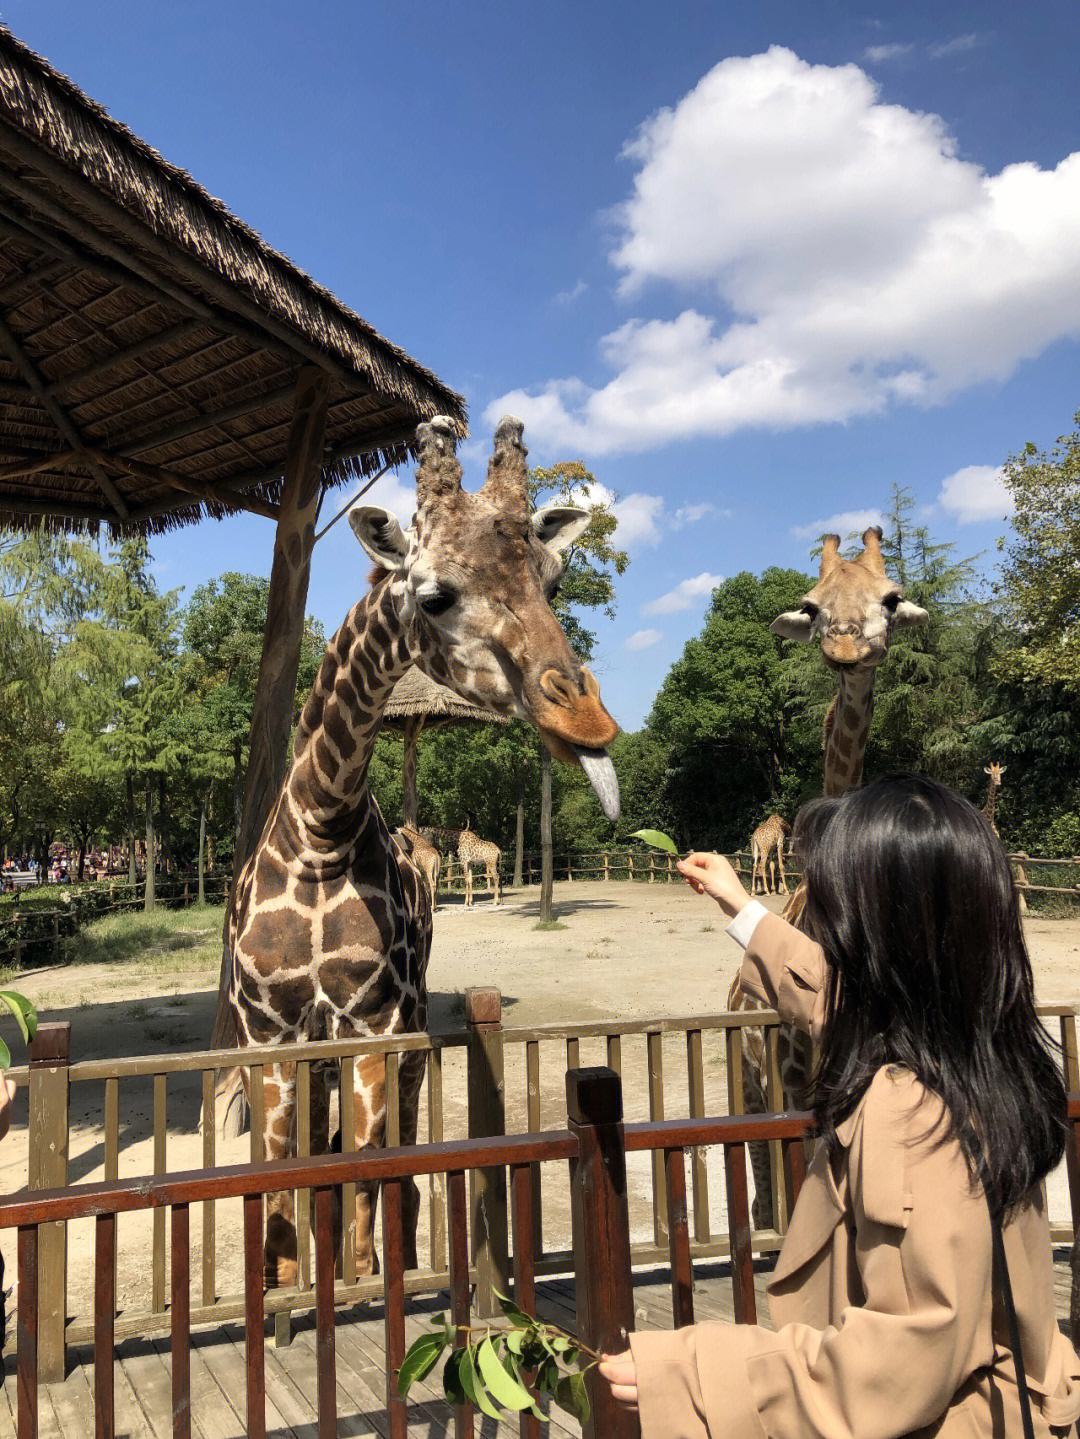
(907, 614)
(793, 625)
(558, 526)
(380, 534)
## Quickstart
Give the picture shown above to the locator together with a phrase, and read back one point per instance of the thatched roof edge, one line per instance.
(53, 112)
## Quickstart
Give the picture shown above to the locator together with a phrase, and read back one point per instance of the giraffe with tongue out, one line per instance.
(330, 927)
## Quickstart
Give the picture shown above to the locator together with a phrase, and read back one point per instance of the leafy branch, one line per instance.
(494, 1367)
(25, 1017)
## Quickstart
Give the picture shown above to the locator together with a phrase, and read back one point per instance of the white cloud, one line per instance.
(692, 514)
(977, 492)
(958, 45)
(639, 515)
(846, 522)
(683, 595)
(875, 54)
(644, 639)
(855, 260)
(575, 292)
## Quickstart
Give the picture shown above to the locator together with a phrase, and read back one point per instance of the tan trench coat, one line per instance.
(882, 1294)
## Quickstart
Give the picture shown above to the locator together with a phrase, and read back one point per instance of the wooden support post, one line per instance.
(271, 719)
(487, 1116)
(50, 1054)
(413, 725)
(601, 1224)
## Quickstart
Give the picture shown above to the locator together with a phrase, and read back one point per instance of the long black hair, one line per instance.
(911, 896)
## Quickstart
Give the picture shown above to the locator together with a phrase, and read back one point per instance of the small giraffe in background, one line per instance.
(989, 813)
(425, 856)
(767, 852)
(472, 850)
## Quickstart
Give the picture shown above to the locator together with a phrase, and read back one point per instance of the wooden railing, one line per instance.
(644, 865)
(594, 1141)
(33, 930)
(510, 1076)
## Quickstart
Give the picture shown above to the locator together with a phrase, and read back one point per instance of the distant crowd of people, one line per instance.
(23, 870)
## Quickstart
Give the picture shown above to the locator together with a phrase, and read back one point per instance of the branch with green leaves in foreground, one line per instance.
(491, 1368)
(25, 1017)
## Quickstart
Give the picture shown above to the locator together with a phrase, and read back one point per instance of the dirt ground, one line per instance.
(627, 951)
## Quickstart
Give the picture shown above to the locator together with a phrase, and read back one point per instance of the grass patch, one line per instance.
(707, 928)
(162, 941)
(549, 924)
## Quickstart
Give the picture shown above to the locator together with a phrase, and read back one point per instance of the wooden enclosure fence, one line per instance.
(594, 1142)
(708, 1045)
(30, 929)
(648, 866)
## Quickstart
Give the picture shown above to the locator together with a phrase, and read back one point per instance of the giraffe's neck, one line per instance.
(326, 792)
(990, 807)
(849, 726)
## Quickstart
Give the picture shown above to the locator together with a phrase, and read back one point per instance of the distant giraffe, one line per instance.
(854, 609)
(425, 856)
(989, 812)
(767, 853)
(472, 850)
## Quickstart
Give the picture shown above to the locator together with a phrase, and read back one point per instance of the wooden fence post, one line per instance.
(607, 875)
(487, 1116)
(50, 1054)
(601, 1221)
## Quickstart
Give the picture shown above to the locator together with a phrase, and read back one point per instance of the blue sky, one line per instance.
(752, 263)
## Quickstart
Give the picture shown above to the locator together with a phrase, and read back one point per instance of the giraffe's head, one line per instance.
(475, 575)
(854, 608)
(995, 771)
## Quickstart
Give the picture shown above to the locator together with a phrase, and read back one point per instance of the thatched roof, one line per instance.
(416, 696)
(150, 341)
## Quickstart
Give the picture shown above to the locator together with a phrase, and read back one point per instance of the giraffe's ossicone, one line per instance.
(330, 926)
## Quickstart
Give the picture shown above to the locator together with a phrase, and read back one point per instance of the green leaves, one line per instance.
(25, 1017)
(499, 1370)
(655, 839)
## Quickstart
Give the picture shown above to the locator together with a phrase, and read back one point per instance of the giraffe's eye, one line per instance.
(437, 601)
(890, 602)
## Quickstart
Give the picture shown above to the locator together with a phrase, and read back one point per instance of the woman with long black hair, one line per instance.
(914, 1291)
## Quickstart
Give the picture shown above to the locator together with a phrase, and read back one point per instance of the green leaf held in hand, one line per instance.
(420, 1360)
(572, 1396)
(25, 1015)
(505, 1390)
(655, 839)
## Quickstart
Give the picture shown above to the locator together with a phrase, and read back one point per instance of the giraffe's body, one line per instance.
(330, 925)
(989, 812)
(425, 856)
(471, 849)
(767, 853)
(854, 608)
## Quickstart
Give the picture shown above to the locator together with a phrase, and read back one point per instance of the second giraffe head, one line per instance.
(474, 576)
(854, 608)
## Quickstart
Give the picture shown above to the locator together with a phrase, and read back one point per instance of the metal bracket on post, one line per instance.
(50, 1055)
(601, 1220)
(487, 1116)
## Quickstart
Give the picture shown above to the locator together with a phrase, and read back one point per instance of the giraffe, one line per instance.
(472, 850)
(989, 813)
(854, 610)
(425, 856)
(767, 852)
(330, 927)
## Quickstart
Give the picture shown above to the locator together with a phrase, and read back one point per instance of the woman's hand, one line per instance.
(711, 874)
(620, 1373)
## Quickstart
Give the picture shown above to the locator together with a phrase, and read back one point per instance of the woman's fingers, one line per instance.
(620, 1372)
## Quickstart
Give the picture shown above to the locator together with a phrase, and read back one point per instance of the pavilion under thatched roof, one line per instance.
(151, 342)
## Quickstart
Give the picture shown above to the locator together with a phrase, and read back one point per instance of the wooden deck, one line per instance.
(143, 1400)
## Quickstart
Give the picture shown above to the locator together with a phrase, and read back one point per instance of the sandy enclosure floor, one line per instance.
(627, 952)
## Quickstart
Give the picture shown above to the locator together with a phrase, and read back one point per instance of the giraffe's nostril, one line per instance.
(558, 688)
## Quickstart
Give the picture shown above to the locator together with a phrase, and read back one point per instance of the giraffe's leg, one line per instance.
(410, 1079)
(755, 855)
(468, 885)
(279, 1251)
(493, 883)
(783, 876)
(369, 1091)
(319, 1131)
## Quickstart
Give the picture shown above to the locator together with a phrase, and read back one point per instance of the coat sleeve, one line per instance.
(787, 971)
(891, 1365)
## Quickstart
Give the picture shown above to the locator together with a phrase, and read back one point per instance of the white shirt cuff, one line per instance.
(746, 921)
